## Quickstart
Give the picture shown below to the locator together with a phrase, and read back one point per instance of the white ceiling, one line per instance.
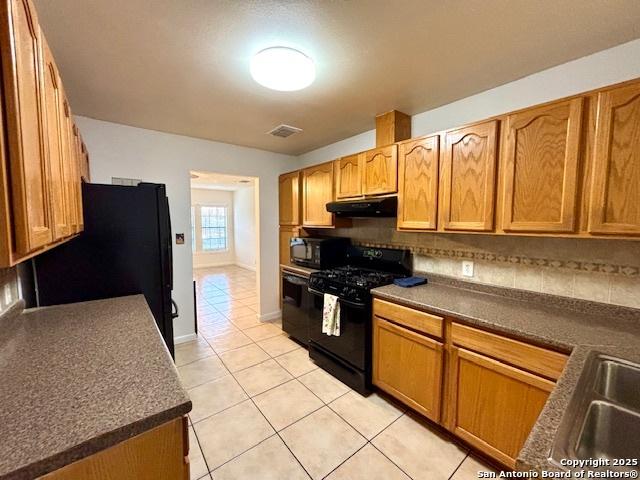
(183, 66)
(218, 181)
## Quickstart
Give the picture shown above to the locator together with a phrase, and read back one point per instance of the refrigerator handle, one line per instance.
(170, 245)
(175, 305)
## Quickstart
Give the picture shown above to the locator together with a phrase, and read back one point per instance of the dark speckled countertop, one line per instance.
(290, 267)
(563, 324)
(79, 378)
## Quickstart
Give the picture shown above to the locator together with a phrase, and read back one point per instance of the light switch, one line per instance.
(467, 268)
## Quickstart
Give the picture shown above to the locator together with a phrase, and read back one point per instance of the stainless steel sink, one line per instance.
(602, 420)
(619, 381)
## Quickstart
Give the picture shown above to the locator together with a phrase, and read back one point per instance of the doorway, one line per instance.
(225, 247)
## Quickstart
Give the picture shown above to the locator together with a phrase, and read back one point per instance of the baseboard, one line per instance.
(270, 316)
(246, 266)
(185, 338)
(212, 264)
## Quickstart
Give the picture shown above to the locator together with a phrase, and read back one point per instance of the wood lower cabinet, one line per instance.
(24, 129)
(381, 171)
(159, 454)
(485, 388)
(418, 167)
(614, 206)
(317, 188)
(493, 405)
(408, 366)
(540, 163)
(289, 198)
(469, 177)
(349, 176)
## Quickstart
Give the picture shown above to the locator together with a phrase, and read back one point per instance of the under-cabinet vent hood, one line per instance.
(370, 207)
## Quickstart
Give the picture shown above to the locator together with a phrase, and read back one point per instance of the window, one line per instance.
(208, 228)
(213, 228)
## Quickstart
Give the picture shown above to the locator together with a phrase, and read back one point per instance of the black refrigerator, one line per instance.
(125, 249)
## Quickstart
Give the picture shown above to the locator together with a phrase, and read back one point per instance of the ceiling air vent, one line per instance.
(284, 131)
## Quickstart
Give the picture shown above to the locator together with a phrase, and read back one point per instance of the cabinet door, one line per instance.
(25, 133)
(86, 172)
(286, 234)
(349, 176)
(408, 366)
(494, 405)
(540, 162)
(77, 183)
(381, 170)
(159, 453)
(68, 152)
(54, 132)
(468, 177)
(317, 185)
(418, 165)
(614, 206)
(289, 198)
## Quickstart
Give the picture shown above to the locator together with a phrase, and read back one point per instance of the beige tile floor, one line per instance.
(263, 410)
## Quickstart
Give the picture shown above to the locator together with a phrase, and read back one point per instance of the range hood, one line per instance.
(370, 207)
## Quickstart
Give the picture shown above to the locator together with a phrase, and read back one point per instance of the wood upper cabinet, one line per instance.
(76, 187)
(540, 162)
(349, 176)
(494, 405)
(286, 234)
(78, 177)
(41, 158)
(407, 364)
(380, 170)
(289, 198)
(86, 171)
(55, 130)
(70, 178)
(317, 187)
(614, 206)
(468, 177)
(20, 44)
(418, 167)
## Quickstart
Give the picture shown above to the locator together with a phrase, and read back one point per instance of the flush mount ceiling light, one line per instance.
(282, 68)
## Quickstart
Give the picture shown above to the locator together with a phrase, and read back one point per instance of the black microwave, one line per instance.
(319, 252)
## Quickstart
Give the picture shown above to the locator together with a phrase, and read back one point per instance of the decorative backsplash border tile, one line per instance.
(568, 265)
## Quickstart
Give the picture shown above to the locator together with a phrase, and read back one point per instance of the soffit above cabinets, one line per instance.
(183, 67)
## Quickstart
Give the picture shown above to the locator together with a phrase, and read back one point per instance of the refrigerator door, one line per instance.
(125, 249)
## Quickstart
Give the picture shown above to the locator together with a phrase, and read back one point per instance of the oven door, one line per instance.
(352, 344)
(296, 301)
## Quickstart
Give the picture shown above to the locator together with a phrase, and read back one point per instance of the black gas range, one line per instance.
(348, 356)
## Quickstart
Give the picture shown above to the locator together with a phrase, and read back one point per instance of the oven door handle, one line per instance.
(295, 280)
(348, 303)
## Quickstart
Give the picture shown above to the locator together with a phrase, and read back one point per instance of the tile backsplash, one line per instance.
(9, 291)
(599, 270)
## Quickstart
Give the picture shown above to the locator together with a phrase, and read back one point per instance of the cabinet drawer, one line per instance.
(534, 359)
(409, 317)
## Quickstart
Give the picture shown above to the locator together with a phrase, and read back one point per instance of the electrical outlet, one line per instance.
(467, 268)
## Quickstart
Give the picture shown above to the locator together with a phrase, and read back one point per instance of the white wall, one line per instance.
(122, 151)
(244, 222)
(201, 196)
(610, 66)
